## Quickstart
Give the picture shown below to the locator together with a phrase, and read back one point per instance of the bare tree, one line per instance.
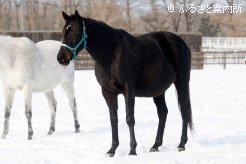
(17, 14)
(190, 18)
(128, 13)
(2, 11)
(107, 11)
(88, 7)
(154, 20)
(8, 16)
(231, 24)
(175, 15)
(132, 15)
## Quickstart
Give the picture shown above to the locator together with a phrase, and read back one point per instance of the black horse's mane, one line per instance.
(97, 21)
(103, 24)
(106, 27)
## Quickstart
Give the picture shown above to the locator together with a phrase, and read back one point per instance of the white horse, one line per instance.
(30, 68)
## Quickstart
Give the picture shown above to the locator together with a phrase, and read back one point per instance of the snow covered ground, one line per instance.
(219, 114)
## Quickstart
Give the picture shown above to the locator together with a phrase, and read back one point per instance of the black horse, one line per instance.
(143, 66)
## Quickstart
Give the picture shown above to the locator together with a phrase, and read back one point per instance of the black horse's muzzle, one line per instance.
(63, 59)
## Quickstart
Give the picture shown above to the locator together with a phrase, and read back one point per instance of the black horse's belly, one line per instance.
(108, 80)
(151, 85)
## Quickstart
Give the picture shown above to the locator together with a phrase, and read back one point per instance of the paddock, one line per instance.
(219, 110)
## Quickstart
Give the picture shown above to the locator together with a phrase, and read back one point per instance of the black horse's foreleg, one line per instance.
(112, 103)
(130, 120)
(162, 114)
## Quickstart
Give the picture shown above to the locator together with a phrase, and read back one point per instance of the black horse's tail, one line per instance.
(182, 84)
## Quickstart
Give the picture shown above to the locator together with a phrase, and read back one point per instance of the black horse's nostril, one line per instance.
(63, 60)
(58, 58)
(61, 57)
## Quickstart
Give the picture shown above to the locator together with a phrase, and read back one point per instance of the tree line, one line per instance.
(131, 15)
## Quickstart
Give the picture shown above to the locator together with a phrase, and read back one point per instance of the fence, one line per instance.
(224, 58)
(85, 61)
(224, 50)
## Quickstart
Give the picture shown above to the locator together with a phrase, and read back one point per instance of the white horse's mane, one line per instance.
(10, 38)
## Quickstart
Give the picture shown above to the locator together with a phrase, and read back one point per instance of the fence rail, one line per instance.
(224, 57)
(84, 60)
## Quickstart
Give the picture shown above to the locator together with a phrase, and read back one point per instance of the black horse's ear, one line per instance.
(65, 16)
(77, 13)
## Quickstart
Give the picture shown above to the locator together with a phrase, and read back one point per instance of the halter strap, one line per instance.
(83, 39)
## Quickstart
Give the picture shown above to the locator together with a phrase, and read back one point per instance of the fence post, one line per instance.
(224, 60)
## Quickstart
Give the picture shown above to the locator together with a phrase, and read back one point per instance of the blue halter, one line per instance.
(83, 39)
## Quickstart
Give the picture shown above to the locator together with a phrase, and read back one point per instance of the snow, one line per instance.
(219, 114)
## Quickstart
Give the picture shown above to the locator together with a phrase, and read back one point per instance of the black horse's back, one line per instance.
(172, 47)
(162, 58)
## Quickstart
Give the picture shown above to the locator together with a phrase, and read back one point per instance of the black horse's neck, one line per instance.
(101, 41)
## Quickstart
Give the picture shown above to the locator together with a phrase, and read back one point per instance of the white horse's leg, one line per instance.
(52, 105)
(27, 93)
(69, 89)
(9, 95)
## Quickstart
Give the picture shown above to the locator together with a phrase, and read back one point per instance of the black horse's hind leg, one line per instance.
(185, 108)
(130, 120)
(162, 114)
(112, 103)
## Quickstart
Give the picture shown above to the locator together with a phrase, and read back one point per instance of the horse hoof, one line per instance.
(50, 132)
(29, 138)
(132, 154)
(153, 150)
(77, 131)
(3, 136)
(181, 149)
(110, 154)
